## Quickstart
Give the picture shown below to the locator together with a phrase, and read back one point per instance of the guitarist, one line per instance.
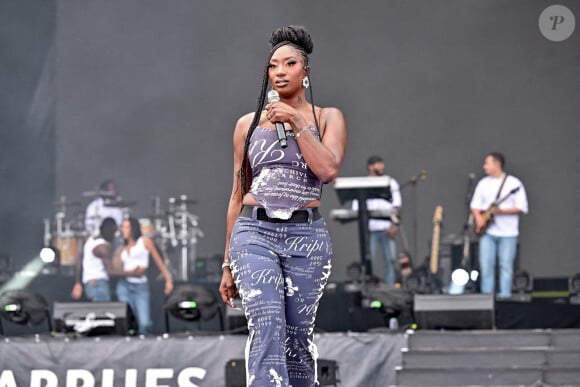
(504, 198)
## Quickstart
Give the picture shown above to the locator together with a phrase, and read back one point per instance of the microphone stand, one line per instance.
(469, 226)
(413, 180)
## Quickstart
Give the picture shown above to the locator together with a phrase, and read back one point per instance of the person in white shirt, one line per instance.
(135, 290)
(383, 232)
(505, 197)
(95, 267)
(97, 210)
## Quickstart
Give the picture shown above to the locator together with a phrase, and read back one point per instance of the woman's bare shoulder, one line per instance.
(331, 113)
(244, 122)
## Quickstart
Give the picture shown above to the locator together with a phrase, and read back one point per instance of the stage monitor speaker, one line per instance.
(327, 371)
(94, 318)
(467, 311)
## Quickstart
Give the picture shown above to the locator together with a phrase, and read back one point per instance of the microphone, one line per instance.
(273, 96)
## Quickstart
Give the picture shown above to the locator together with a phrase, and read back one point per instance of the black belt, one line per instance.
(298, 216)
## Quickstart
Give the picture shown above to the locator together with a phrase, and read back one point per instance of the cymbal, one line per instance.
(105, 194)
(121, 203)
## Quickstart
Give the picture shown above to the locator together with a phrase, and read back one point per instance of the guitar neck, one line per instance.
(500, 201)
(434, 261)
(434, 264)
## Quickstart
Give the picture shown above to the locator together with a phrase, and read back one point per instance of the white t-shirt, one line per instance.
(485, 195)
(93, 267)
(382, 204)
(137, 257)
(97, 211)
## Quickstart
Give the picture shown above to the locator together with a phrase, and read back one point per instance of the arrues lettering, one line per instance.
(153, 377)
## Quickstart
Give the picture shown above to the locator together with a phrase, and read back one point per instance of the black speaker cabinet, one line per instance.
(236, 373)
(94, 318)
(467, 311)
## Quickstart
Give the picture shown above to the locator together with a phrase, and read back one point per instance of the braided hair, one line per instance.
(298, 38)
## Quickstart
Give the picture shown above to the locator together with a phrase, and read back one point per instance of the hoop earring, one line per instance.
(306, 82)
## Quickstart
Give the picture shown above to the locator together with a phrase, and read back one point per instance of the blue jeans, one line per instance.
(389, 248)
(505, 249)
(138, 298)
(98, 290)
(281, 270)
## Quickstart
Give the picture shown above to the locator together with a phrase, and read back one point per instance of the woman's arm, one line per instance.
(77, 291)
(103, 251)
(150, 246)
(324, 157)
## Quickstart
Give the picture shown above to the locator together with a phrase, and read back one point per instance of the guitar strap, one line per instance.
(500, 188)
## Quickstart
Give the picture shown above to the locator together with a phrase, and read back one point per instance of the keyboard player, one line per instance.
(382, 233)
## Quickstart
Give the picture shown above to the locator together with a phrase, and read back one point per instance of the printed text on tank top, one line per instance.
(282, 182)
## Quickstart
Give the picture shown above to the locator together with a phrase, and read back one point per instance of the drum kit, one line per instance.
(173, 228)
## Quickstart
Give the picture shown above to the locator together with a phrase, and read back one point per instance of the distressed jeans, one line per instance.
(280, 270)
(505, 249)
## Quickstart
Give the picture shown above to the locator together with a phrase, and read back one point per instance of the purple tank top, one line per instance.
(281, 179)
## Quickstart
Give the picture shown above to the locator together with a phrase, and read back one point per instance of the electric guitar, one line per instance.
(432, 282)
(434, 260)
(488, 216)
(425, 278)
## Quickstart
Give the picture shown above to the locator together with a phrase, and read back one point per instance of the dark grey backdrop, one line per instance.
(148, 92)
(27, 136)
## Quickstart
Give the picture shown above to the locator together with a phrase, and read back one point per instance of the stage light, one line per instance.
(460, 277)
(522, 285)
(23, 307)
(575, 284)
(48, 255)
(574, 288)
(522, 281)
(376, 304)
(8, 308)
(463, 281)
(188, 305)
(192, 302)
(474, 275)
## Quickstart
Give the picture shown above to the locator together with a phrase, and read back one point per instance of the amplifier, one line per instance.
(94, 318)
(467, 311)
